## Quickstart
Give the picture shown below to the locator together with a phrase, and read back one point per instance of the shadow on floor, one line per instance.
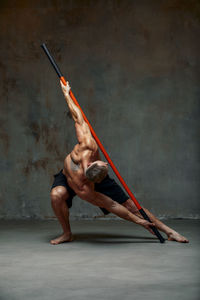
(106, 238)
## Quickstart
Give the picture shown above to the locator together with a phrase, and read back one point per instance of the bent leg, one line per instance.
(171, 234)
(59, 195)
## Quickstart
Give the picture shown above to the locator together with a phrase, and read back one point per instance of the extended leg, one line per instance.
(171, 234)
(59, 196)
(112, 206)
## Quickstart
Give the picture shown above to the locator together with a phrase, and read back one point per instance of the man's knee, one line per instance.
(59, 194)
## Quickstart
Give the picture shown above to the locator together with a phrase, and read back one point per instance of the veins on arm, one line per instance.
(74, 109)
(82, 128)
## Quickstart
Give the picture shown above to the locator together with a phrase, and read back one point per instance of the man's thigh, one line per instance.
(109, 187)
(60, 180)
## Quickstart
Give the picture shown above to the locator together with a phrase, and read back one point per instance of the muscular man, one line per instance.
(85, 175)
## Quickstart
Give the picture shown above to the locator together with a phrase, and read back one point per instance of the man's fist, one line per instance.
(65, 88)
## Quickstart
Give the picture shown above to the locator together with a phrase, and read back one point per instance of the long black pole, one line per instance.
(141, 210)
(52, 60)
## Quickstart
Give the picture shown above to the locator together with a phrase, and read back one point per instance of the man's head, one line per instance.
(97, 171)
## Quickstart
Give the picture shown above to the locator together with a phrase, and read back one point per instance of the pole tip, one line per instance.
(43, 45)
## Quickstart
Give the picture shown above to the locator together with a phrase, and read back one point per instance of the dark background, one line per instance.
(134, 68)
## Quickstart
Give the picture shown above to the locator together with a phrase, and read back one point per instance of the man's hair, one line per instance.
(96, 173)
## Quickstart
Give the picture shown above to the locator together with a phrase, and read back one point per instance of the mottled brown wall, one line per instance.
(134, 67)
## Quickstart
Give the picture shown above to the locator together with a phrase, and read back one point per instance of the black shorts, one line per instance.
(107, 186)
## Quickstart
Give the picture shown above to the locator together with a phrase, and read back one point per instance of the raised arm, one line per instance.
(82, 128)
(75, 111)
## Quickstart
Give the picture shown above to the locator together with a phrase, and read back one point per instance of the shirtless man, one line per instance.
(85, 175)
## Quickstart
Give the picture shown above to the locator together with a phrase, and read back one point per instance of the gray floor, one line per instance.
(107, 260)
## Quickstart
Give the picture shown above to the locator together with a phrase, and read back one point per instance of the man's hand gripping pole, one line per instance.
(142, 212)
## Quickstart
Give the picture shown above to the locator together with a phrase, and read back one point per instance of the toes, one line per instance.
(178, 239)
(54, 242)
(186, 241)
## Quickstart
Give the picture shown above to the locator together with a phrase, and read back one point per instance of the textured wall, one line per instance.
(134, 67)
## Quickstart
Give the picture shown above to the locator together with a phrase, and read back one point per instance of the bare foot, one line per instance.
(66, 237)
(175, 236)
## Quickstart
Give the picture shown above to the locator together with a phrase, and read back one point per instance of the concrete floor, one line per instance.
(107, 260)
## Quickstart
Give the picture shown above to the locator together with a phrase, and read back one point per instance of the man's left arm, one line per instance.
(82, 129)
(75, 111)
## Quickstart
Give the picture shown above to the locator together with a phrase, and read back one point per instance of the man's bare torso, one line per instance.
(76, 162)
